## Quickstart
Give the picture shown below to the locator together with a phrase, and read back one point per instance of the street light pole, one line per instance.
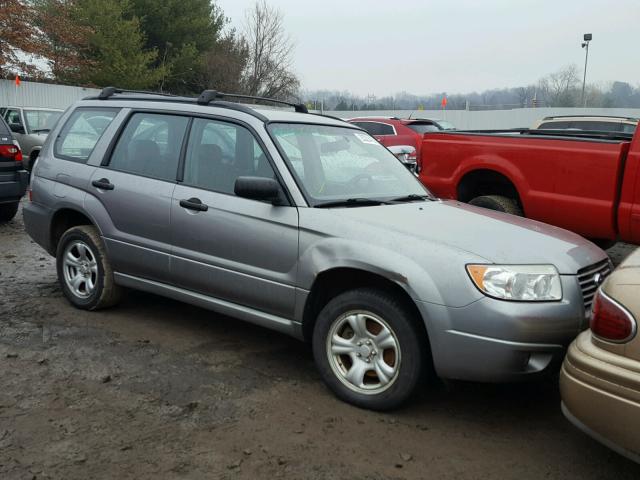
(587, 38)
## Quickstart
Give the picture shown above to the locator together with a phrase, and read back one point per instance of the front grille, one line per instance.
(587, 280)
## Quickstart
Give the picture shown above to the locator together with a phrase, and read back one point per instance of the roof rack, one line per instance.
(551, 117)
(109, 92)
(205, 98)
(209, 96)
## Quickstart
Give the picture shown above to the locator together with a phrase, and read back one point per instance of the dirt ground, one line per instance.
(158, 389)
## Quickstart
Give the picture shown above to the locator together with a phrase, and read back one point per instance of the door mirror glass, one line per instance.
(258, 188)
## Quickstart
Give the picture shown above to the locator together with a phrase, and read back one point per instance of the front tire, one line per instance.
(84, 271)
(370, 349)
(8, 211)
(498, 203)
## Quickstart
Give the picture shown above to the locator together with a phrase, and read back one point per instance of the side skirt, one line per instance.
(224, 307)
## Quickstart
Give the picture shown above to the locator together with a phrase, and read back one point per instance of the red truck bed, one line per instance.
(584, 183)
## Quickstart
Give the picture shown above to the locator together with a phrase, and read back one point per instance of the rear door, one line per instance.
(135, 185)
(239, 250)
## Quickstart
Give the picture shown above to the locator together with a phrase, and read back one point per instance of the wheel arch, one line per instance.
(64, 219)
(337, 280)
(487, 181)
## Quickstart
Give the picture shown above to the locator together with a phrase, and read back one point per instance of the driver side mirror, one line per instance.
(259, 188)
(16, 128)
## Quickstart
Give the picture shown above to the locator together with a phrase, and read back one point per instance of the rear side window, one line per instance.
(150, 145)
(555, 126)
(4, 129)
(376, 128)
(423, 127)
(83, 129)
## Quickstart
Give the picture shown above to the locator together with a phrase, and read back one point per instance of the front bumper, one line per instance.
(13, 190)
(601, 395)
(499, 341)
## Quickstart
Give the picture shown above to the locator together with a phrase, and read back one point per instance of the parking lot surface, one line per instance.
(156, 388)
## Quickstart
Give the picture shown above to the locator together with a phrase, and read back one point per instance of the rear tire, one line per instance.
(370, 349)
(498, 203)
(84, 271)
(8, 211)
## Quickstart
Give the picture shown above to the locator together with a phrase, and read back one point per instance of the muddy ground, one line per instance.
(158, 389)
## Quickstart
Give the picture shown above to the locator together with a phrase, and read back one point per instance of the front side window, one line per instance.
(83, 129)
(220, 152)
(150, 145)
(41, 121)
(338, 163)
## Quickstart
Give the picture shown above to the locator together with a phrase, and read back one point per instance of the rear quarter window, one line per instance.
(81, 132)
(4, 128)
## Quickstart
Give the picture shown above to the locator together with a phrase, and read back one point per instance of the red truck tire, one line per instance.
(499, 203)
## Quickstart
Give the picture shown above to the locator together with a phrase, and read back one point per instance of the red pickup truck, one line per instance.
(586, 182)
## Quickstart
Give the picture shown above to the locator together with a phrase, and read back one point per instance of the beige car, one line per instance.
(600, 377)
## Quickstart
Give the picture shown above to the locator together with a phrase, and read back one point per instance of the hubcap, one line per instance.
(80, 269)
(364, 352)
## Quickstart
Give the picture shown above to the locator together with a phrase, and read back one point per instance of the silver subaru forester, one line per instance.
(307, 225)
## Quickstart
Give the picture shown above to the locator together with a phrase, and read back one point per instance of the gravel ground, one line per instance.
(159, 389)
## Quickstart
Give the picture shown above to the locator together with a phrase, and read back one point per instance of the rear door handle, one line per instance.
(194, 204)
(103, 184)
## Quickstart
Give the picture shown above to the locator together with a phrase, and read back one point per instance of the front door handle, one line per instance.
(194, 204)
(103, 184)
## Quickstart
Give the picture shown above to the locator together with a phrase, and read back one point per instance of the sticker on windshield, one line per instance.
(366, 138)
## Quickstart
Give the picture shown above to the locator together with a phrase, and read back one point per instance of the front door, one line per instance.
(136, 187)
(235, 249)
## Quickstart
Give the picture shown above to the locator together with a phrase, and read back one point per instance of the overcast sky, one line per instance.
(453, 46)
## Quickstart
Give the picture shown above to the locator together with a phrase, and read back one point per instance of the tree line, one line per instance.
(177, 46)
(562, 88)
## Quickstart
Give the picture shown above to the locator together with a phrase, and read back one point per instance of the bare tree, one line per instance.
(525, 95)
(560, 89)
(268, 71)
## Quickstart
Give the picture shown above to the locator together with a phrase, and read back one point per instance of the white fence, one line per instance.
(32, 94)
(493, 119)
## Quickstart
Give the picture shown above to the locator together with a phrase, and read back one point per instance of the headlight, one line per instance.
(529, 283)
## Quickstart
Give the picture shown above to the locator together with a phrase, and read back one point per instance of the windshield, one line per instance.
(41, 120)
(338, 163)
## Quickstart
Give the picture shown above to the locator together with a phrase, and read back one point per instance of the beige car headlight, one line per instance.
(527, 283)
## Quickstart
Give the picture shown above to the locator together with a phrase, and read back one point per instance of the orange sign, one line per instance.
(17, 80)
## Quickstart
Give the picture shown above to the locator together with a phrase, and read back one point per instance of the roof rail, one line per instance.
(552, 117)
(205, 98)
(209, 96)
(108, 92)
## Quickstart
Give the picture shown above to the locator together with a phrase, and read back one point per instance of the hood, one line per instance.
(497, 237)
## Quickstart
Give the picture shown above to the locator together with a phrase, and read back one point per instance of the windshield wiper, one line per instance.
(351, 202)
(413, 197)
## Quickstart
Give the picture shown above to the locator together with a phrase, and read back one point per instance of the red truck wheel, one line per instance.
(499, 203)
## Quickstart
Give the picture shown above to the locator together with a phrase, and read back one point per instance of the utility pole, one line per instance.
(585, 44)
